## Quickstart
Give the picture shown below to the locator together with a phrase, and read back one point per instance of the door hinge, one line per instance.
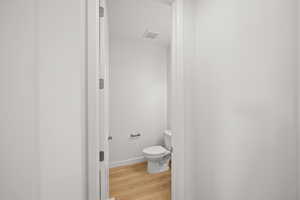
(101, 83)
(101, 12)
(101, 156)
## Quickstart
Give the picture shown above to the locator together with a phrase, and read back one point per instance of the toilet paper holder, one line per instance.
(135, 135)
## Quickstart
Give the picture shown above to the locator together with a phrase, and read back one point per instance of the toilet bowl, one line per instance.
(158, 157)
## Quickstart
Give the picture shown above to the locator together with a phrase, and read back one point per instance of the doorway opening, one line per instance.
(135, 100)
(139, 126)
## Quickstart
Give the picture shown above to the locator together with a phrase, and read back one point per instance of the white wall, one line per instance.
(19, 156)
(298, 102)
(138, 96)
(61, 51)
(242, 100)
(42, 145)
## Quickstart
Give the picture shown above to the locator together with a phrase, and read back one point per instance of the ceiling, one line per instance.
(130, 19)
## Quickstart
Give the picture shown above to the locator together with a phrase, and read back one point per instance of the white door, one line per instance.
(97, 100)
(103, 100)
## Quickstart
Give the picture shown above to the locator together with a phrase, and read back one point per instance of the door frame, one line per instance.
(97, 130)
(96, 100)
(92, 63)
(177, 102)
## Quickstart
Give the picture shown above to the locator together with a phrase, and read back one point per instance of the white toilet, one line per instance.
(158, 157)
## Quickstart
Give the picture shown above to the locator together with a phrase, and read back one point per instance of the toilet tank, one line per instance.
(168, 139)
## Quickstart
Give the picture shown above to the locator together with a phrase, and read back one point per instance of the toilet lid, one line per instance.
(155, 150)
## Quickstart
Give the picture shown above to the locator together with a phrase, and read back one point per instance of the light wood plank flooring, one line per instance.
(134, 183)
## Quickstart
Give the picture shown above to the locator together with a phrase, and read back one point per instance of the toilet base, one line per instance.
(158, 166)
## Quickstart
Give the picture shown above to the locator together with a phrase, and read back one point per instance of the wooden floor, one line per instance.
(134, 183)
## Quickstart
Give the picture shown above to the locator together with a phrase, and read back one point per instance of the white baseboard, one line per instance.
(127, 162)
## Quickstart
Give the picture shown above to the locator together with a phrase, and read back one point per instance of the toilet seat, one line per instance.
(155, 151)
